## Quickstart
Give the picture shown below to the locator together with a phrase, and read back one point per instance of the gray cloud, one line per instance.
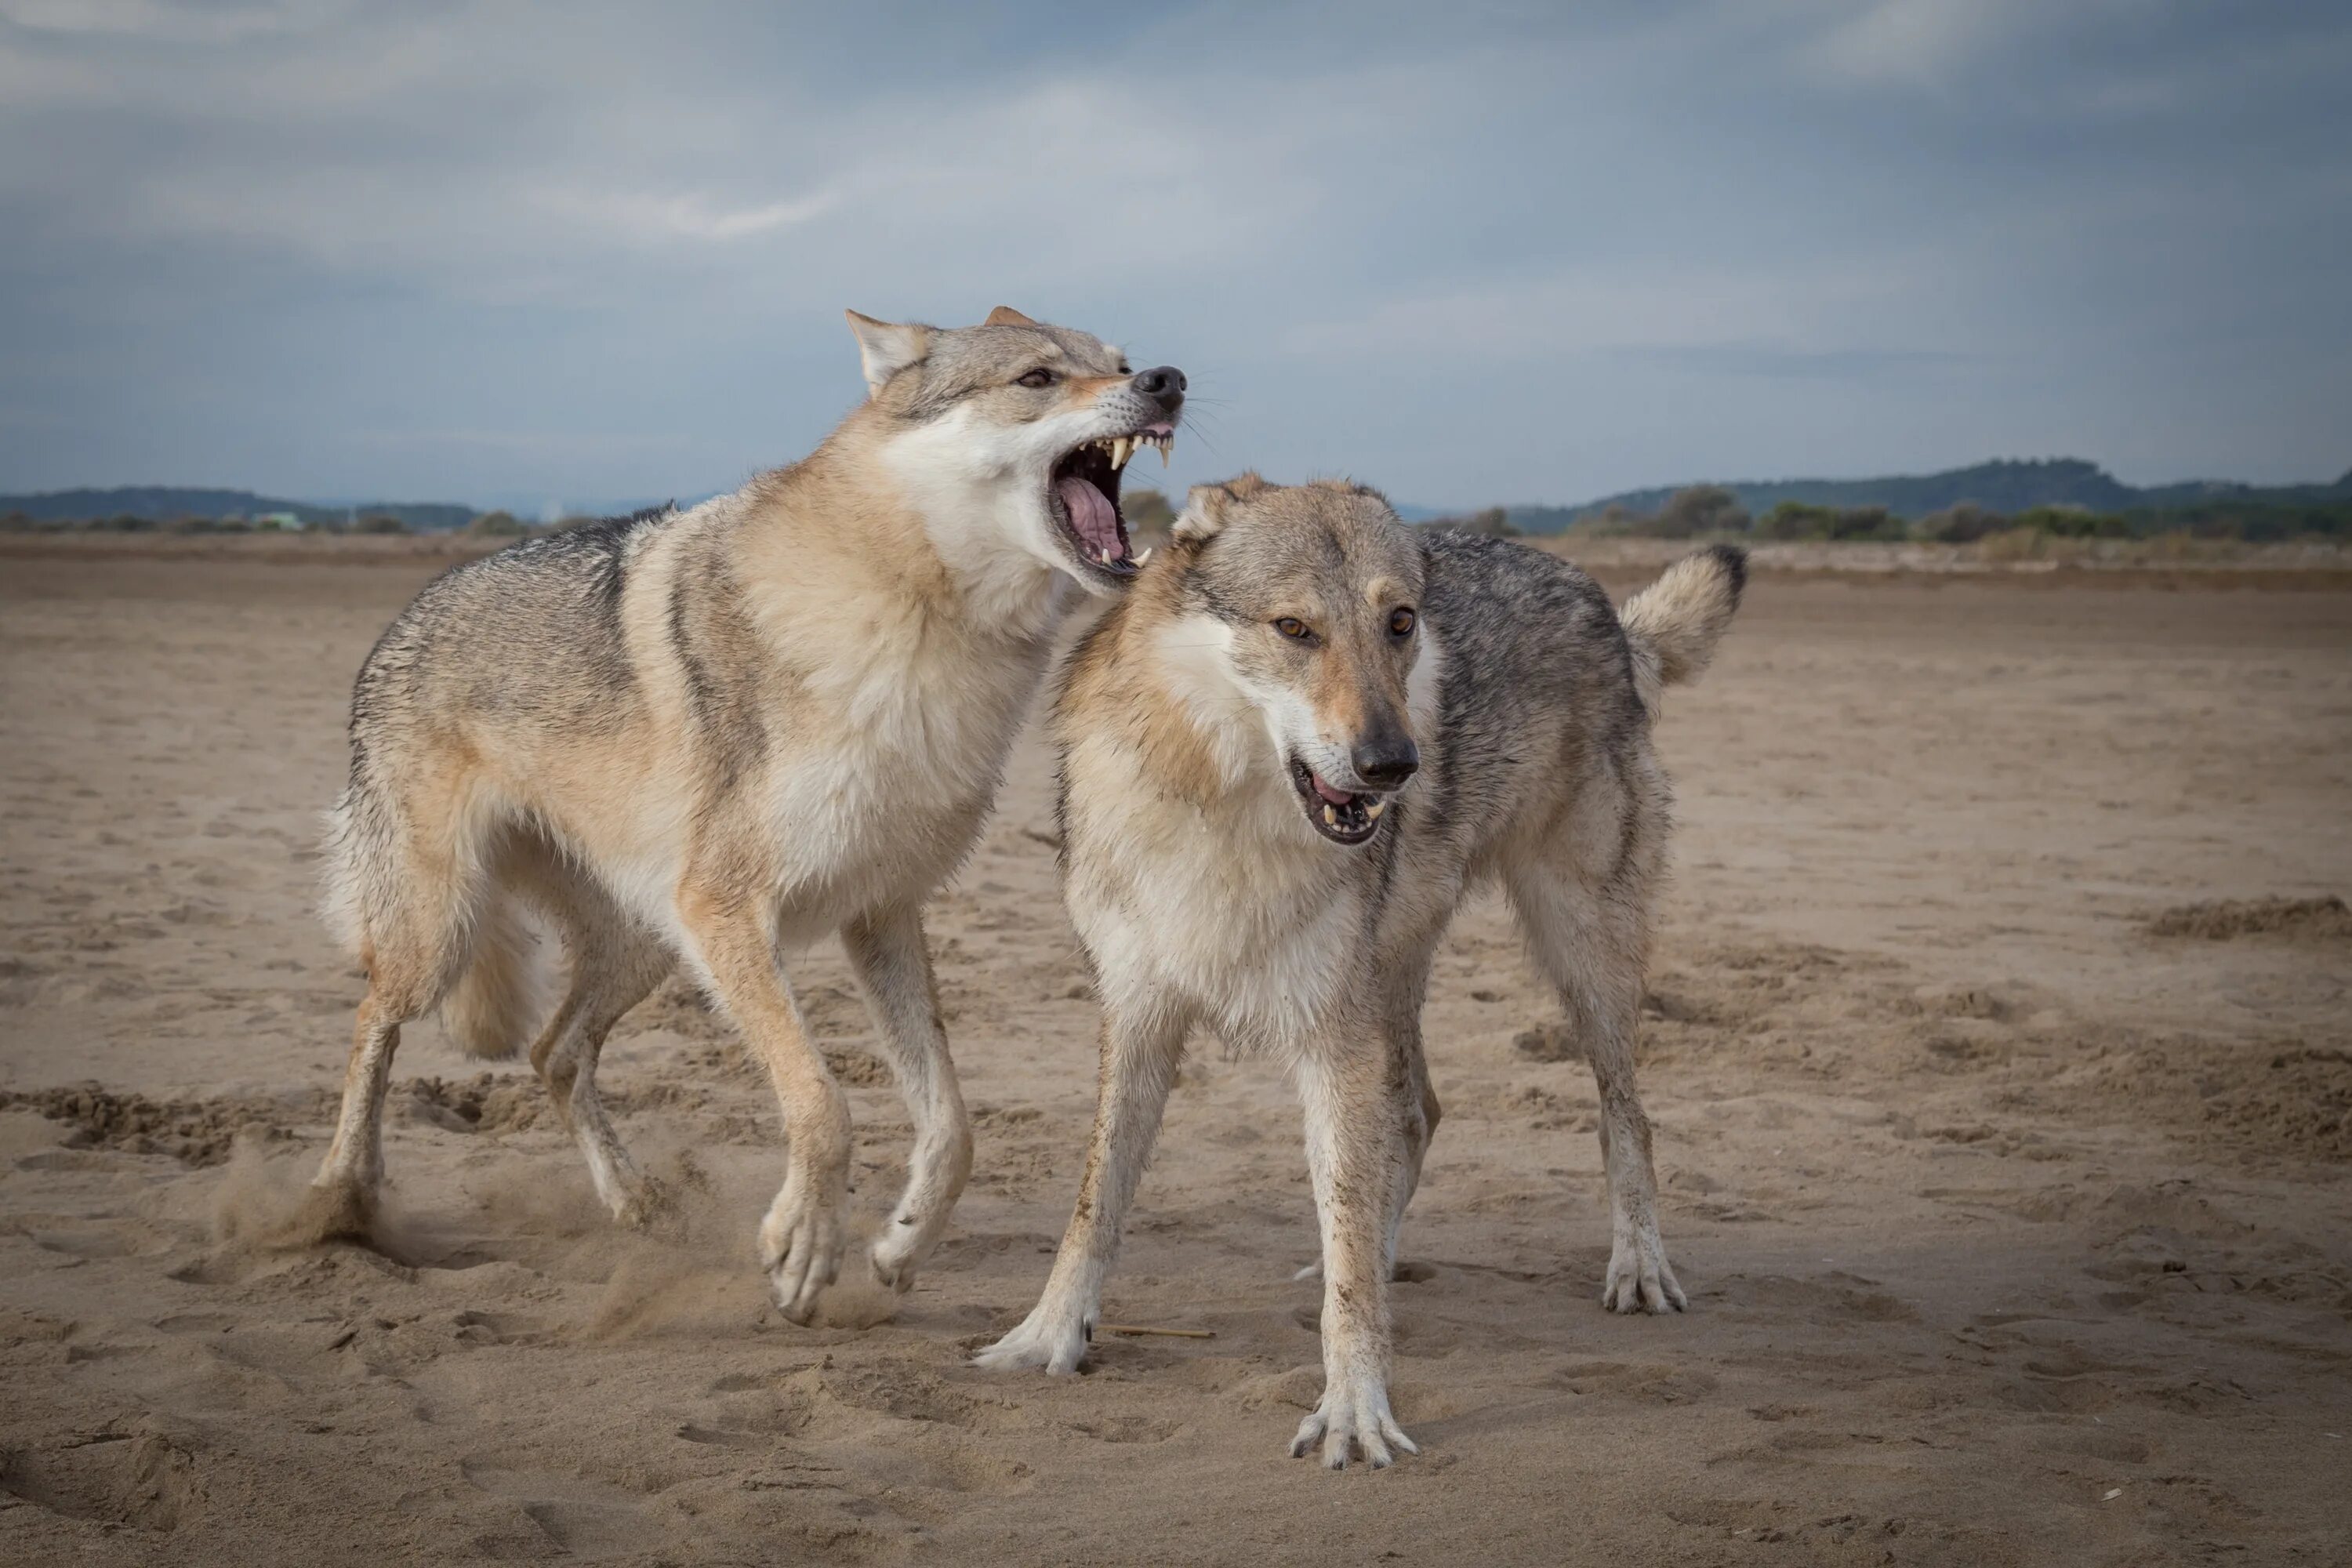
(485, 250)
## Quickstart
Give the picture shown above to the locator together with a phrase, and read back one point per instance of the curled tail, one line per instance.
(1674, 623)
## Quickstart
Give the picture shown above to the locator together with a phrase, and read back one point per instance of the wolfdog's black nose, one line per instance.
(1385, 761)
(1165, 382)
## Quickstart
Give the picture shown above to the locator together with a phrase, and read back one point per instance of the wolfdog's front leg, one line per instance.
(895, 968)
(1355, 1101)
(1137, 1068)
(800, 1241)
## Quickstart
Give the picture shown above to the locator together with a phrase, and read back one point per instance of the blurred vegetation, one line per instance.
(1714, 511)
(1146, 510)
(2184, 514)
(1493, 522)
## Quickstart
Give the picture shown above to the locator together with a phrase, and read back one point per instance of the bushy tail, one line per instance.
(370, 899)
(1675, 623)
(496, 1004)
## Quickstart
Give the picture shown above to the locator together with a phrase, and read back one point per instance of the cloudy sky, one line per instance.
(1535, 253)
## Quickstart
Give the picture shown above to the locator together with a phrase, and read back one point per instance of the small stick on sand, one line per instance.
(1145, 1329)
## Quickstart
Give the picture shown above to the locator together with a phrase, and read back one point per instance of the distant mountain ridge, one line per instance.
(165, 503)
(2005, 486)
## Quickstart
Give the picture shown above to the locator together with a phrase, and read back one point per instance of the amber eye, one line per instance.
(1401, 622)
(1294, 628)
(1038, 377)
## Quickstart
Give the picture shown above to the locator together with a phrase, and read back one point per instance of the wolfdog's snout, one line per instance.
(1164, 385)
(1385, 758)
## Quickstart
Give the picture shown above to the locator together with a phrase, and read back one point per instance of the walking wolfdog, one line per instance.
(1241, 852)
(711, 735)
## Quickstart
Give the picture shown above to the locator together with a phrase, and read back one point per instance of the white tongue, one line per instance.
(1092, 515)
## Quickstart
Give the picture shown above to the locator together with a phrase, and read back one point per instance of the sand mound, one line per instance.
(2218, 920)
(487, 1102)
(194, 1131)
(2299, 1100)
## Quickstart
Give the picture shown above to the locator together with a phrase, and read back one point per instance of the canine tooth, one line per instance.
(1330, 817)
(1145, 556)
(1165, 443)
(1374, 809)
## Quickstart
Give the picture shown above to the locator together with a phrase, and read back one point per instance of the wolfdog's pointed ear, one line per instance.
(1204, 513)
(886, 348)
(1006, 316)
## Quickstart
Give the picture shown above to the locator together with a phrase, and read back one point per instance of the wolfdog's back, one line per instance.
(520, 647)
(1539, 692)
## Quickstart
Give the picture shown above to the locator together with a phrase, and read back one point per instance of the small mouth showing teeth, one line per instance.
(1341, 816)
(1083, 497)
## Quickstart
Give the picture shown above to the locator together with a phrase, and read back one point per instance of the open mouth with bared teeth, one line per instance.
(1082, 496)
(1343, 816)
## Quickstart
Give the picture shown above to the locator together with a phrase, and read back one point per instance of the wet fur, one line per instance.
(1206, 899)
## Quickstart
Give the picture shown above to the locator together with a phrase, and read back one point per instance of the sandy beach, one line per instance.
(2006, 1165)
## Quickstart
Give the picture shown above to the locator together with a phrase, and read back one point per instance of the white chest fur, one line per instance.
(1252, 931)
(897, 771)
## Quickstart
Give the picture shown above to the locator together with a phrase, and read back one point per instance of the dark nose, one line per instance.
(1386, 761)
(1164, 382)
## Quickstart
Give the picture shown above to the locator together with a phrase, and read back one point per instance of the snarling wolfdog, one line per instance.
(1288, 756)
(708, 736)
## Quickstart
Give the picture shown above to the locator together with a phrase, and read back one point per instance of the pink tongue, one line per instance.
(1091, 515)
(1336, 796)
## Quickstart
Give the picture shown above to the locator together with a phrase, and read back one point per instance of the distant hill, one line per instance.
(2006, 486)
(166, 503)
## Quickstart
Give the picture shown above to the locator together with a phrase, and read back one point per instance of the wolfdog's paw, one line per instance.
(1351, 1418)
(648, 1206)
(898, 1251)
(1054, 1341)
(333, 1208)
(1638, 1279)
(799, 1246)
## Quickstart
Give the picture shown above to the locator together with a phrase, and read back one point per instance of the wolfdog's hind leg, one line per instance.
(608, 980)
(613, 966)
(409, 958)
(894, 966)
(342, 1203)
(1592, 945)
(1421, 1113)
(400, 875)
(401, 970)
